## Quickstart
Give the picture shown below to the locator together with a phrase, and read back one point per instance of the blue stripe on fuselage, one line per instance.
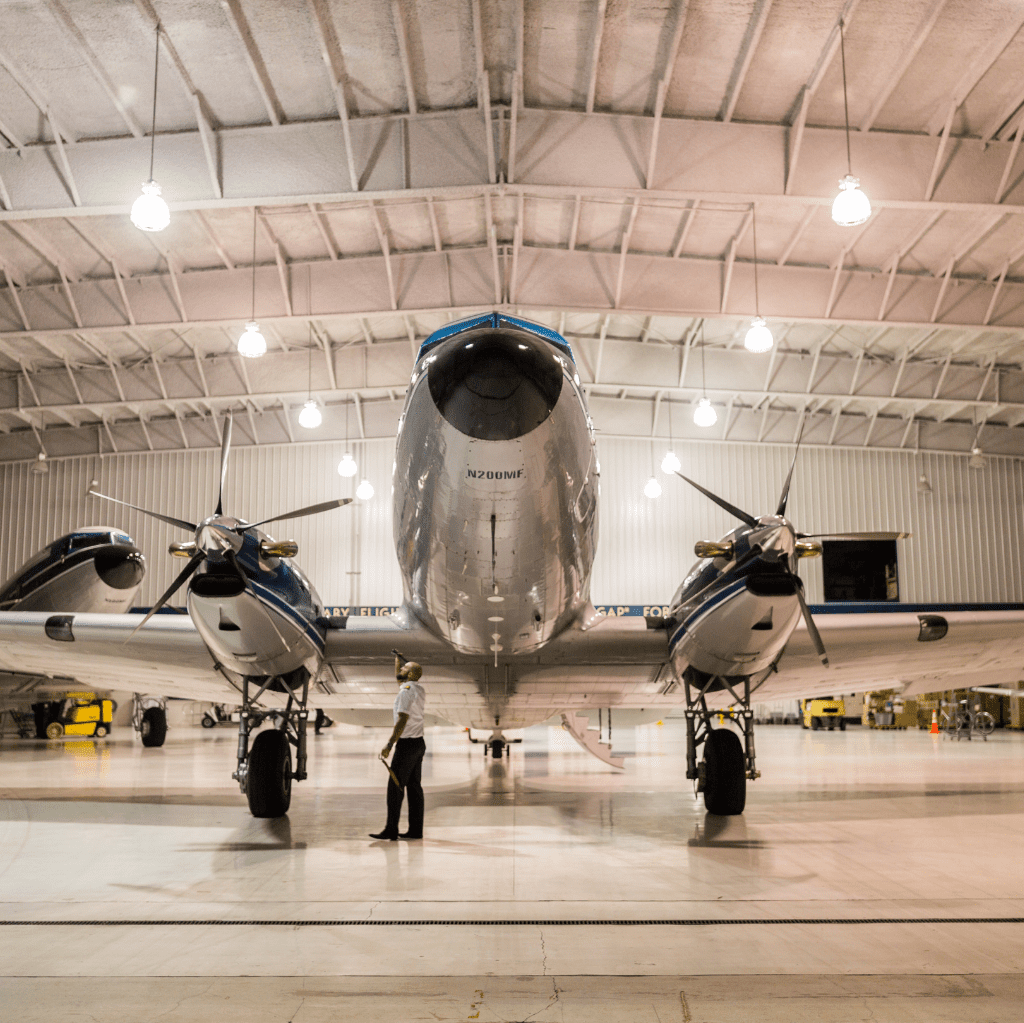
(729, 591)
(278, 603)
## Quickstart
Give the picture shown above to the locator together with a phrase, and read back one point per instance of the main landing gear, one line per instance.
(264, 772)
(728, 761)
(149, 719)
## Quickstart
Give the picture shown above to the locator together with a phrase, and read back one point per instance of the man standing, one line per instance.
(407, 738)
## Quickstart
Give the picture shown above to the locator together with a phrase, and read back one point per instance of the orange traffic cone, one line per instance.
(934, 730)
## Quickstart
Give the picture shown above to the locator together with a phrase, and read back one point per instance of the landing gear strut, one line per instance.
(264, 772)
(149, 719)
(727, 762)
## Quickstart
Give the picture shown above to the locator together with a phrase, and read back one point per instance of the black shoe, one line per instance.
(409, 835)
(383, 836)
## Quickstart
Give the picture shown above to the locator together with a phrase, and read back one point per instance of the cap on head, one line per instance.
(411, 671)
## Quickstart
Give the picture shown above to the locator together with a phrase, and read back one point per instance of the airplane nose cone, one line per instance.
(121, 568)
(495, 384)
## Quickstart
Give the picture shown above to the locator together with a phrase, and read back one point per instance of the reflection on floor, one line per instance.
(307, 919)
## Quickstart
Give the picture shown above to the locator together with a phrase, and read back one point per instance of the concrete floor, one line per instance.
(305, 919)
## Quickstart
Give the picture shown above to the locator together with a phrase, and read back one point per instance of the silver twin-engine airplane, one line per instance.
(496, 491)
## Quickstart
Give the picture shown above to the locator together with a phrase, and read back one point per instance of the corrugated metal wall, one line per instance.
(967, 542)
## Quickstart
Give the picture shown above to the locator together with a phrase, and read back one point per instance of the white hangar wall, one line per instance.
(967, 543)
(967, 534)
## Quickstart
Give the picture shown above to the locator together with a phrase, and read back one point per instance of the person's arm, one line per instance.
(396, 733)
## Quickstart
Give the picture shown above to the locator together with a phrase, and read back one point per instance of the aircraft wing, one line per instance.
(910, 651)
(167, 656)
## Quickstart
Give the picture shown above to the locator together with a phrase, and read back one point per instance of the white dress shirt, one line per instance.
(411, 700)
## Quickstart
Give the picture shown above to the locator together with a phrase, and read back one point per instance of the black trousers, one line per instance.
(406, 764)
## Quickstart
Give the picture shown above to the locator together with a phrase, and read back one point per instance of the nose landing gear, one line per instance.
(264, 772)
(728, 762)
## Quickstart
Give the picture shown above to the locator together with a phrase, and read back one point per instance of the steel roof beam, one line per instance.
(900, 165)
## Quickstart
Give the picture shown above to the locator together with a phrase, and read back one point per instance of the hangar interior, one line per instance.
(644, 178)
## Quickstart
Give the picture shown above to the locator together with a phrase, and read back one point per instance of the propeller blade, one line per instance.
(193, 564)
(170, 520)
(722, 502)
(313, 509)
(789, 478)
(225, 450)
(812, 629)
(247, 583)
(881, 535)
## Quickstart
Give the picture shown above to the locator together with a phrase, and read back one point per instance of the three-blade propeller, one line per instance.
(213, 540)
(749, 520)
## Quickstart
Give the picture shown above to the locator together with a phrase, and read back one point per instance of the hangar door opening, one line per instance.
(860, 570)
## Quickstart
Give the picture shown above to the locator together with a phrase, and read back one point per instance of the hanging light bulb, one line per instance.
(759, 338)
(364, 491)
(252, 344)
(977, 459)
(923, 486)
(670, 463)
(652, 488)
(149, 211)
(347, 466)
(310, 416)
(704, 414)
(851, 206)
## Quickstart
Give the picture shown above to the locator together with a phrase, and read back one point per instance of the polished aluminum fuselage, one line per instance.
(496, 538)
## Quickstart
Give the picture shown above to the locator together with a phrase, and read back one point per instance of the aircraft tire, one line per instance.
(153, 729)
(725, 776)
(268, 780)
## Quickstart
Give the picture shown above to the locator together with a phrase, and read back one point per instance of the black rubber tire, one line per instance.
(842, 724)
(208, 722)
(101, 731)
(725, 775)
(154, 726)
(831, 726)
(268, 781)
(815, 724)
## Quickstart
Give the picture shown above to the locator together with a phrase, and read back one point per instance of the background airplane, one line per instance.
(496, 490)
(91, 569)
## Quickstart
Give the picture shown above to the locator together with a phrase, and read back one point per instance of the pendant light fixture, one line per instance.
(670, 463)
(347, 466)
(252, 344)
(310, 416)
(923, 486)
(704, 415)
(365, 490)
(851, 206)
(652, 488)
(149, 211)
(759, 338)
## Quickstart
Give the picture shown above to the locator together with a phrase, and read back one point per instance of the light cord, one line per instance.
(253, 316)
(846, 105)
(753, 221)
(152, 134)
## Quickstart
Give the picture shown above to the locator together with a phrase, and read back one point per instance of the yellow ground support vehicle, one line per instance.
(77, 714)
(817, 714)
